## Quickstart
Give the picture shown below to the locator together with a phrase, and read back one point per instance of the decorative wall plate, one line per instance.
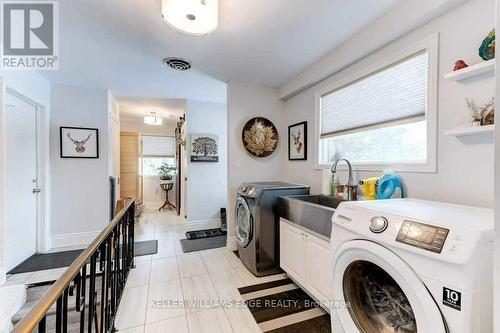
(260, 137)
(487, 48)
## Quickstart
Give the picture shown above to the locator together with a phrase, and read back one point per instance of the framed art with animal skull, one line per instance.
(79, 142)
(297, 141)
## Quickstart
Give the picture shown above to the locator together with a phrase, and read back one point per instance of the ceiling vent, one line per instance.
(177, 63)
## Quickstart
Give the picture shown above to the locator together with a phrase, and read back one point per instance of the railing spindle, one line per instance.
(83, 300)
(113, 251)
(59, 314)
(42, 325)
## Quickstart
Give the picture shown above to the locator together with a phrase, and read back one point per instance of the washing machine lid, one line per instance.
(384, 293)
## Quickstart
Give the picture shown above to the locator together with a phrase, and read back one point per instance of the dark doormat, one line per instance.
(288, 311)
(197, 234)
(43, 261)
(193, 245)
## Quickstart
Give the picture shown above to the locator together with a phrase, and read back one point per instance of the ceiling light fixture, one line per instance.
(192, 17)
(153, 120)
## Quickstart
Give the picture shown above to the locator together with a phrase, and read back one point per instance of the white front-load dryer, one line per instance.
(411, 266)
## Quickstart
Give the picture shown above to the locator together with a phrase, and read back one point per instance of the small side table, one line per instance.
(167, 186)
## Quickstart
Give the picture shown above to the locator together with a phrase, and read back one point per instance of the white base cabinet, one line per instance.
(306, 258)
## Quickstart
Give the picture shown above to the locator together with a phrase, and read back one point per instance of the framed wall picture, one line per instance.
(297, 141)
(204, 148)
(79, 142)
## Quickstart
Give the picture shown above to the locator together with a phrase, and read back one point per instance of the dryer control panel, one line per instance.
(424, 236)
(248, 190)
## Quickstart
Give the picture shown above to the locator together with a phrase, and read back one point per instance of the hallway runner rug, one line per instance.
(282, 307)
(207, 233)
(193, 245)
(43, 261)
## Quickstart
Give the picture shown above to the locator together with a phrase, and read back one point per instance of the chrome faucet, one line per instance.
(351, 185)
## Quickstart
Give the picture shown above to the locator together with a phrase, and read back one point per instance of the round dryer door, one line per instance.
(381, 292)
(244, 222)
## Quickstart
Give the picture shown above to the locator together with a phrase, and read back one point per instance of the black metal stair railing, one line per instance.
(97, 278)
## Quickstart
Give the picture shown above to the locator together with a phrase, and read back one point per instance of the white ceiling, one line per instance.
(134, 108)
(119, 44)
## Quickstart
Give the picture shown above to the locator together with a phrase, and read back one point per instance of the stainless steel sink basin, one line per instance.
(313, 212)
(322, 200)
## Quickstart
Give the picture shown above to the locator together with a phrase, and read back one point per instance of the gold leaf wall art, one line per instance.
(260, 137)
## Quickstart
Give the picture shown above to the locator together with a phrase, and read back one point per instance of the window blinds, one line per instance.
(158, 146)
(397, 93)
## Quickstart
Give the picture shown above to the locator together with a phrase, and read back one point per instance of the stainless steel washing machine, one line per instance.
(257, 224)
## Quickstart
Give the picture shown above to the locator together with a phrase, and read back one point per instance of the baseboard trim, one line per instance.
(72, 240)
(203, 221)
(232, 244)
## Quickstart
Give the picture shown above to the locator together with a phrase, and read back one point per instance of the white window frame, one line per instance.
(431, 45)
(142, 157)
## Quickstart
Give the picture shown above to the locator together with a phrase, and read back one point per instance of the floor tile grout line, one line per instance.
(223, 309)
(147, 296)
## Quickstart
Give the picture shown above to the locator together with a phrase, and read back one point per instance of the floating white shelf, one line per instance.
(470, 131)
(471, 71)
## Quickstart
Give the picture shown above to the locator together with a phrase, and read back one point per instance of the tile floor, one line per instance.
(170, 275)
(152, 301)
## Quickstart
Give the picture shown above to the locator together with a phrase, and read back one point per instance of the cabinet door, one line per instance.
(293, 251)
(319, 262)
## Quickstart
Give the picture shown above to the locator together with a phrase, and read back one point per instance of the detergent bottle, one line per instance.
(369, 188)
(389, 186)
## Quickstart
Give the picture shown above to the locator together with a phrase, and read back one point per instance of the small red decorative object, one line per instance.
(459, 65)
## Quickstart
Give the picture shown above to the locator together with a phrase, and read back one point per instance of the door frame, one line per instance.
(42, 148)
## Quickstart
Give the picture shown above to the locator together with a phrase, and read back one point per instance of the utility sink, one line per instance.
(322, 200)
(313, 212)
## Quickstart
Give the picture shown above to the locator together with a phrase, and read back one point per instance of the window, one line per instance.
(381, 118)
(155, 151)
(150, 165)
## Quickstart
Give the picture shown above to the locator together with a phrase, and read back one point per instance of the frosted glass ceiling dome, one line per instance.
(192, 17)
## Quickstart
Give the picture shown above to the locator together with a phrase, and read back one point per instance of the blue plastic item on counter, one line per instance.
(389, 187)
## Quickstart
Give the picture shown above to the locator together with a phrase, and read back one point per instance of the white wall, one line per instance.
(246, 101)
(496, 258)
(207, 181)
(80, 187)
(465, 168)
(408, 16)
(32, 85)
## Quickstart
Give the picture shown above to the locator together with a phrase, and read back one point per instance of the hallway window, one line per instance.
(151, 164)
(155, 151)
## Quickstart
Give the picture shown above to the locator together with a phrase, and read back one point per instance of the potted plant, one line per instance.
(166, 171)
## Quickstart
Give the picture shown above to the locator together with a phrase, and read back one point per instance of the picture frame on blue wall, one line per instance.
(297, 142)
(79, 142)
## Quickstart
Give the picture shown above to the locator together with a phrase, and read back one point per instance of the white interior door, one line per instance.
(21, 183)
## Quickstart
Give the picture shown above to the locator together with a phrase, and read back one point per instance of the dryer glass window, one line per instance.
(243, 223)
(378, 304)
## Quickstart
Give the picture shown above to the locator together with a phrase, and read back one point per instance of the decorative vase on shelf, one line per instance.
(487, 48)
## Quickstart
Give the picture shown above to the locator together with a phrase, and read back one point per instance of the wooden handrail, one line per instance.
(42, 306)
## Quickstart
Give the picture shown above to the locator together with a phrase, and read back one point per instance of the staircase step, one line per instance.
(34, 293)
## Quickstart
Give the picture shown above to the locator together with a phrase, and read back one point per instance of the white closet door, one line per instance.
(20, 182)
